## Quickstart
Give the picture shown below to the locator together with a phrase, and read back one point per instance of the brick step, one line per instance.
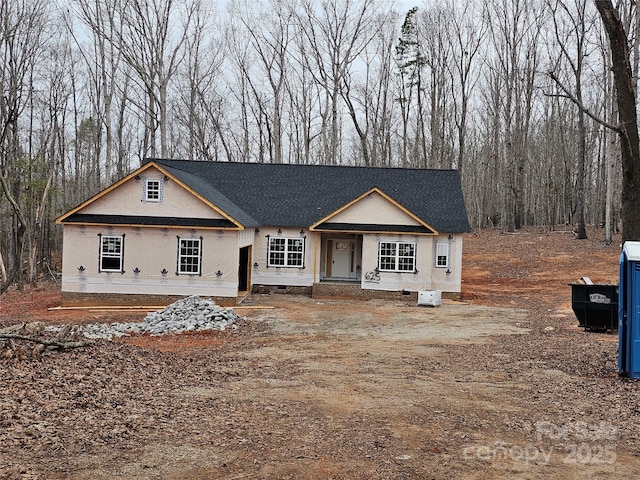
(338, 290)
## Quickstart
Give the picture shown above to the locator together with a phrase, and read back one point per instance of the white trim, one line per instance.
(180, 269)
(290, 252)
(157, 193)
(397, 256)
(111, 253)
(442, 251)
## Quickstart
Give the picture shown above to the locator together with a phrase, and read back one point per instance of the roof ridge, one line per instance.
(295, 165)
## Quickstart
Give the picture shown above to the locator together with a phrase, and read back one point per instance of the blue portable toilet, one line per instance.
(629, 311)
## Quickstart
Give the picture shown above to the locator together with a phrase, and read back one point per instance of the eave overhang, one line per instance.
(149, 222)
(372, 228)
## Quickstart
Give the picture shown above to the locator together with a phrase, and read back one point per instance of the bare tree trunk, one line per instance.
(38, 229)
(361, 131)
(628, 130)
(609, 165)
(152, 46)
(466, 36)
(269, 37)
(23, 32)
(515, 33)
(3, 271)
(336, 33)
(571, 25)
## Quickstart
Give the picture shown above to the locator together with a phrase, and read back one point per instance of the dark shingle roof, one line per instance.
(285, 195)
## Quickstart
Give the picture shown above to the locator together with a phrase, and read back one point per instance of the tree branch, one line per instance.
(29, 332)
(567, 94)
(63, 345)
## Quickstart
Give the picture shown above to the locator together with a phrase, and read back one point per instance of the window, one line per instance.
(153, 190)
(189, 256)
(286, 252)
(111, 253)
(396, 257)
(442, 254)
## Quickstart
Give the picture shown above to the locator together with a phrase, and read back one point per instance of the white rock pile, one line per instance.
(190, 314)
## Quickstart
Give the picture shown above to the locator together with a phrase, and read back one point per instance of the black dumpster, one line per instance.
(595, 305)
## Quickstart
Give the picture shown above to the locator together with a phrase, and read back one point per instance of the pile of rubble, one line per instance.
(187, 315)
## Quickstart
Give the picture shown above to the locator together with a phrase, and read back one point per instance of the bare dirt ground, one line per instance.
(501, 385)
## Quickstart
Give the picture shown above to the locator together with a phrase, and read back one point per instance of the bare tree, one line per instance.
(270, 33)
(608, 144)
(303, 109)
(336, 32)
(571, 27)
(377, 93)
(627, 113)
(515, 29)
(466, 35)
(102, 62)
(47, 146)
(151, 43)
(251, 117)
(438, 55)
(24, 25)
(200, 100)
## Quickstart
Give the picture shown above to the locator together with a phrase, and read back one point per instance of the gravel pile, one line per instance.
(187, 315)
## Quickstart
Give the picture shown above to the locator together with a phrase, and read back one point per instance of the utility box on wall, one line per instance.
(431, 298)
(629, 311)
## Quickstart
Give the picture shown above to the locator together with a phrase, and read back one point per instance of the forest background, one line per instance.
(516, 94)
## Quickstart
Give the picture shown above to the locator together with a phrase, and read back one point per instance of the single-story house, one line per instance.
(174, 228)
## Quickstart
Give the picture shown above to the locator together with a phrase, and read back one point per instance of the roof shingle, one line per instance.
(286, 195)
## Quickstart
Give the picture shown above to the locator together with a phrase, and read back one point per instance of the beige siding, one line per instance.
(374, 209)
(151, 251)
(127, 199)
(429, 277)
(290, 276)
(440, 279)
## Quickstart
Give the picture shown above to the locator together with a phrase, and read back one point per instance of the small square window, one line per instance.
(153, 190)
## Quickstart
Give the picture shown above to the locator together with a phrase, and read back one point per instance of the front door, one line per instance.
(342, 258)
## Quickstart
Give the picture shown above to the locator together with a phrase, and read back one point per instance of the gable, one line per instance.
(128, 199)
(374, 211)
(127, 203)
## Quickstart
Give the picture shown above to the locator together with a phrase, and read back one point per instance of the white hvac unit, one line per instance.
(432, 298)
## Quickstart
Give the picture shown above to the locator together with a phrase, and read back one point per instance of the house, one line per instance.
(220, 229)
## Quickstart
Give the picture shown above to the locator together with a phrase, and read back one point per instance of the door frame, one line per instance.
(354, 258)
(244, 269)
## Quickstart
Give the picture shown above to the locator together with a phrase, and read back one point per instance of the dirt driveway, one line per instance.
(502, 385)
